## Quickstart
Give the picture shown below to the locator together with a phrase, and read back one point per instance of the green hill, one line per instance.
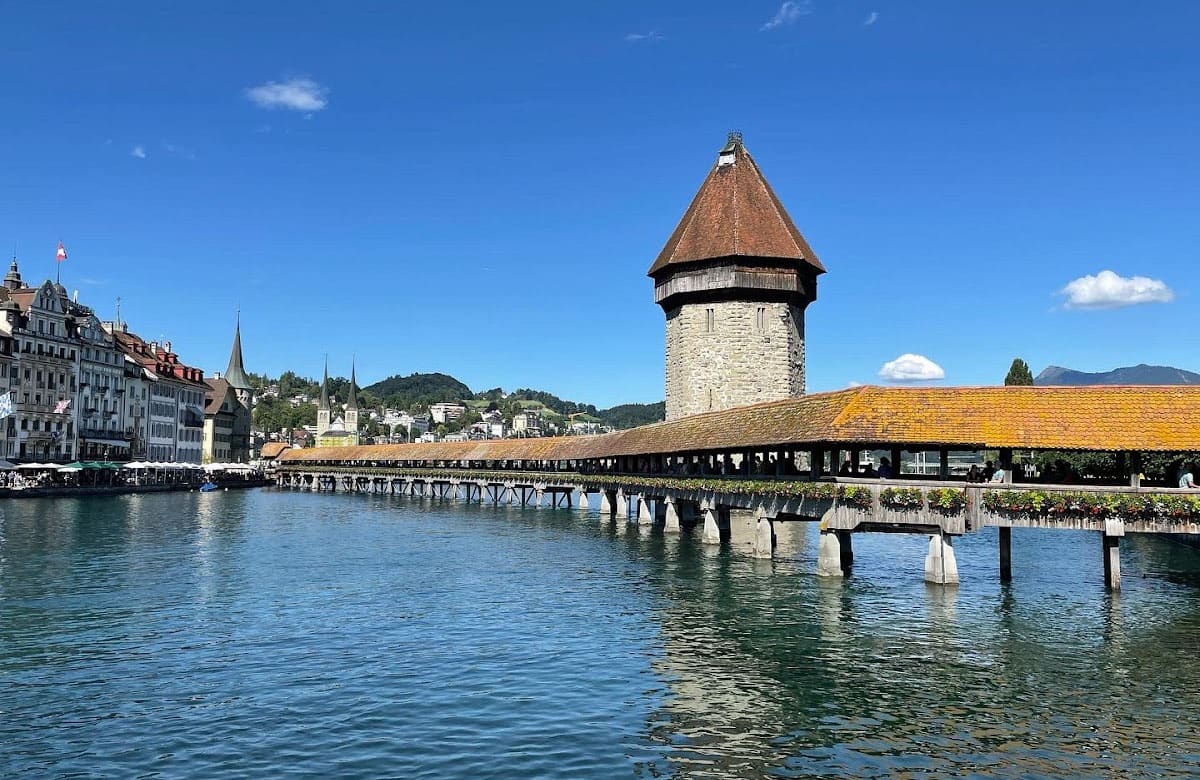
(419, 389)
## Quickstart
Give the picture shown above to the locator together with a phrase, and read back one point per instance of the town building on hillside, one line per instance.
(445, 413)
(527, 423)
(734, 280)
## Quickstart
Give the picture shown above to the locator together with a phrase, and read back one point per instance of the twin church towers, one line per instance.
(734, 280)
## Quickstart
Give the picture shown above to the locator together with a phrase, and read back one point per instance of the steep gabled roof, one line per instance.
(735, 214)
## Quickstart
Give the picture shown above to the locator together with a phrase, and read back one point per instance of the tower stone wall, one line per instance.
(732, 353)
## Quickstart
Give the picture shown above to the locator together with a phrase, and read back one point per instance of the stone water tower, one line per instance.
(734, 280)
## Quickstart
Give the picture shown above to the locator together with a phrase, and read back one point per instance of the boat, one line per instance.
(208, 486)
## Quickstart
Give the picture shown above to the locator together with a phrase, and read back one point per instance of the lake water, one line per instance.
(268, 634)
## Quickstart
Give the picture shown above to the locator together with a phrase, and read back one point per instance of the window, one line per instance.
(760, 319)
(709, 319)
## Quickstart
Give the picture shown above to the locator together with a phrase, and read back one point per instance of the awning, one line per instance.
(107, 442)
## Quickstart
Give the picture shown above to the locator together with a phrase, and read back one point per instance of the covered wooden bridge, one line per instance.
(779, 460)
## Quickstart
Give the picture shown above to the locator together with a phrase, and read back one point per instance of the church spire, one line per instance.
(352, 403)
(235, 374)
(325, 388)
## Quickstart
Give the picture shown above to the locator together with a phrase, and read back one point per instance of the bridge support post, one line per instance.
(712, 531)
(941, 567)
(671, 522)
(583, 501)
(829, 556)
(845, 550)
(607, 499)
(538, 497)
(622, 505)
(1113, 531)
(645, 514)
(764, 536)
(1005, 554)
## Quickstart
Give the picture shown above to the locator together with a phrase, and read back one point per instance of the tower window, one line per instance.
(710, 319)
(760, 319)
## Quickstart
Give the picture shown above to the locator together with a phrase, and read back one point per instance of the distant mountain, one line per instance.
(1130, 375)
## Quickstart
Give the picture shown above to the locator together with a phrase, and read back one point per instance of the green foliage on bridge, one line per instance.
(1135, 506)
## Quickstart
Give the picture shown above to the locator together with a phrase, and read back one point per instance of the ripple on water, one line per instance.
(299, 635)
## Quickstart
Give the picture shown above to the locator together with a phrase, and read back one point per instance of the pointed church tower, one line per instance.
(235, 373)
(734, 280)
(323, 408)
(352, 408)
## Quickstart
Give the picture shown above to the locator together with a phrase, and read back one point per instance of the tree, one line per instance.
(1019, 373)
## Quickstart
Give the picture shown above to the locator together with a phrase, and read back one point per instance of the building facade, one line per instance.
(734, 280)
(43, 324)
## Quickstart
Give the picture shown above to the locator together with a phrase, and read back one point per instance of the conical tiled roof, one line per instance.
(235, 373)
(353, 402)
(735, 214)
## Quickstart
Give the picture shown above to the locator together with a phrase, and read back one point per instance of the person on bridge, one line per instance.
(1186, 480)
(885, 468)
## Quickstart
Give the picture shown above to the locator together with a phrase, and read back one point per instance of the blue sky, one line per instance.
(479, 188)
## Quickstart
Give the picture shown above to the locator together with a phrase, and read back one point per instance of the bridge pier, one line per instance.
(829, 556)
(941, 567)
(645, 514)
(764, 536)
(845, 550)
(1005, 554)
(671, 520)
(607, 502)
(583, 501)
(712, 529)
(622, 505)
(1111, 545)
(539, 495)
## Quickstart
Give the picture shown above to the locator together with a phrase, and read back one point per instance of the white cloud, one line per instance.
(788, 13)
(138, 152)
(871, 19)
(854, 383)
(1107, 290)
(649, 37)
(911, 368)
(295, 94)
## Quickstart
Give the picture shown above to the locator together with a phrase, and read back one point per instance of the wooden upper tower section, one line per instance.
(735, 242)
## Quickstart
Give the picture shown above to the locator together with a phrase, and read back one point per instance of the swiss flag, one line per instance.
(61, 254)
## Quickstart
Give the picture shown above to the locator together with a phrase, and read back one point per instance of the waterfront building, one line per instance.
(734, 280)
(9, 383)
(175, 418)
(227, 411)
(42, 322)
(103, 431)
(220, 403)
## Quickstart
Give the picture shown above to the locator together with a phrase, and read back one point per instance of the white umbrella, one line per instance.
(134, 465)
(32, 466)
(69, 469)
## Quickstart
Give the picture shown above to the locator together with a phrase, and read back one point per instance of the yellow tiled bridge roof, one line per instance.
(1122, 418)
